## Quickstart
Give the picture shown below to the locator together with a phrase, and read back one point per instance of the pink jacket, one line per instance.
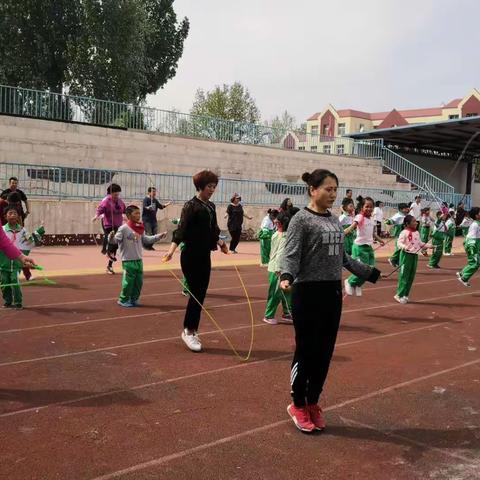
(112, 211)
(7, 247)
(414, 245)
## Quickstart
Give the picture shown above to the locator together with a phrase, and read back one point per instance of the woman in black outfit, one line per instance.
(235, 216)
(198, 230)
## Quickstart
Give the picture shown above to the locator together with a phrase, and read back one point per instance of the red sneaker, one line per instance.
(301, 418)
(316, 417)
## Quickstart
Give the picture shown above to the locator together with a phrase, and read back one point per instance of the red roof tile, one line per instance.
(314, 116)
(453, 103)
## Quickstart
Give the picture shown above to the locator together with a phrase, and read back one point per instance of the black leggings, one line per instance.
(235, 234)
(109, 248)
(196, 267)
(316, 309)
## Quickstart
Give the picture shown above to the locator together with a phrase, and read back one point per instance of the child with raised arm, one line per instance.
(410, 245)
(131, 239)
(472, 247)
(362, 246)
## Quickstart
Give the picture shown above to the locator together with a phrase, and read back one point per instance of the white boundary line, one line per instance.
(220, 370)
(157, 340)
(183, 453)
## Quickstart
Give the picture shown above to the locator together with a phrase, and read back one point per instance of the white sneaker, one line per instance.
(192, 341)
(402, 300)
(348, 288)
(462, 281)
(270, 321)
(358, 291)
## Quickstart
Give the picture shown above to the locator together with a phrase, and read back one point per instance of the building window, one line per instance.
(471, 115)
(301, 148)
(341, 129)
(340, 149)
(313, 148)
(325, 129)
(453, 117)
(314, 130)
(361, 128)
(327, 149)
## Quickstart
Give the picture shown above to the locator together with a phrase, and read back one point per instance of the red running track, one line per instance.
(92, 391)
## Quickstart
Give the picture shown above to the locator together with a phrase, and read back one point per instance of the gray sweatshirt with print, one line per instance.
(130, 244)
(314, 251)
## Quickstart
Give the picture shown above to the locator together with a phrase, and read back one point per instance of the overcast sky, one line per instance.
(300, 55)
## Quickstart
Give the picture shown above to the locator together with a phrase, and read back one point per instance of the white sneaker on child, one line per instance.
(402, 300)
(348, 288)
(192, 341)
(358, 291)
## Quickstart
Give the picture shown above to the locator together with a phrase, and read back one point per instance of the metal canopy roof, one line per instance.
(449, 136)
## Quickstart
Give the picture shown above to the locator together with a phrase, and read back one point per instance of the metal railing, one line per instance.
(416, 175)
(70, 108)
(57, 182)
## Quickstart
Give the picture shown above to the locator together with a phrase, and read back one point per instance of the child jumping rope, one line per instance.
(426, 224)
(472, 247)
(449, 237)
(267, 228)
(438, 240)
(362, 246)
(275, 293)
(410, 246)
(312, 265)
(397, 222)
(131, 239)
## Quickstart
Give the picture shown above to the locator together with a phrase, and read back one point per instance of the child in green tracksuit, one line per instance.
(465, 226)
(450, 236)
(346, 219)
(131, 238)
(267, 229)
(275, 294)
(10, 269)
(426, 224)
(362, 246)
(410, 245)
(438, 239)
(472, 247)
(397, 222)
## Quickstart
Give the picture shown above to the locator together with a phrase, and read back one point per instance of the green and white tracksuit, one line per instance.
(465, 225)
(130, 247)
(265, 234)
(362, 247)
(397, 222)
(275, 294)
(449, 237)
(426, 224)
(472, 247)
(438, 241)
(346, 221)
(410, 245)
(10, 269)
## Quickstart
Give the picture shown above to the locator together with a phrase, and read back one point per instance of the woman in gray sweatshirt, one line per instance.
(312, 266)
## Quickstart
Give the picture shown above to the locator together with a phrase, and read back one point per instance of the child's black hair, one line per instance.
(10, 208)
(113, 188)
(368, 199)
(345, 202)
(407, 220)
(317, 177)
(402, 206)
(378, 202)
(425, 210)
(474, 212)
(273, 212)
(14, 197)
(284, 220)
(130, 209)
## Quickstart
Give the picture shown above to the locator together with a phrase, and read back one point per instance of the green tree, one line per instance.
(280, 125)
(229, 102)
(112, 49)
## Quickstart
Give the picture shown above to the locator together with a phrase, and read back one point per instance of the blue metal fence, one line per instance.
(49, 181)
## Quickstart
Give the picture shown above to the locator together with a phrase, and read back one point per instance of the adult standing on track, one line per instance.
(235, 214)
(312, 263)
(112, 210)
(149, 213)
(198, 230)
(13, 188)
